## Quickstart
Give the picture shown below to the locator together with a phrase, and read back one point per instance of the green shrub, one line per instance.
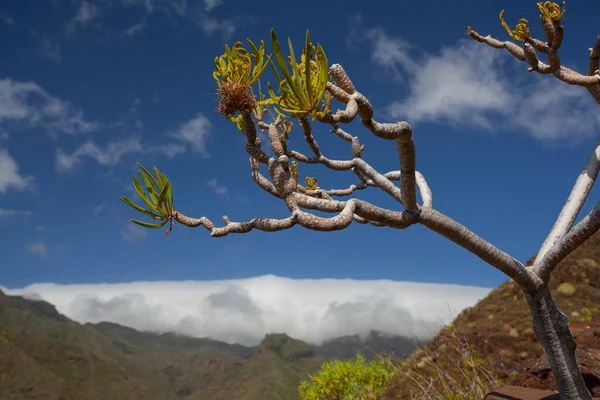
(349, 380)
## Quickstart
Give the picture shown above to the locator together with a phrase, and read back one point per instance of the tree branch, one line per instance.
(560, 72)
(465, 238)
(262, 224)
(574, 202)
(589, 225)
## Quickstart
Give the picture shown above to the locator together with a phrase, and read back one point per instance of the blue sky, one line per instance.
(87, 88)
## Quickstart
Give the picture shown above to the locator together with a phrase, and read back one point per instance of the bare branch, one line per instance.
(262, 224)
(363, 209)
(263, 182)
(575, 201)
(462, 236)
(308, 136)
(527, 53)
(589, 225)
(424, 190)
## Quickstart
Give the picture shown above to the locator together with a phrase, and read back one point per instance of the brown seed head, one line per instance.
(235, 96)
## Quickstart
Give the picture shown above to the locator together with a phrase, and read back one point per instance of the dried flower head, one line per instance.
(552, 11)
(521, 31)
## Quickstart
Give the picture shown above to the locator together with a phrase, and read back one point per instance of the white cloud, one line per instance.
(109, 156)
(86, 12)
(7, 212)
(166, 6)
(38, 248)
(244, 310)
(194, 133)
(210, 5)
(219, 189)
(98, 209)
(137, 28)
(470, 84)
(49, 50)
(133, 233)
(169, 149)
(26, 102)
(10, 177)
(190, 135)
(390, 52)
(210, 24)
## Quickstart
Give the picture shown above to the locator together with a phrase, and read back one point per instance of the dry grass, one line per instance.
(455, 370)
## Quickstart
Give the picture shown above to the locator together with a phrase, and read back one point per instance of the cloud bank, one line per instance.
(244, 310)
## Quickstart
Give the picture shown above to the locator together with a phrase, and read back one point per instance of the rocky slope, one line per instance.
(498, 330)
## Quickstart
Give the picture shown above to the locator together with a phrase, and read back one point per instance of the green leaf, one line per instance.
(280, 60)
(140, 209)
(307, 71)
(140, 191)
(150, 188)
(296, 85)
(169, 198)
(274, 68)
(161, 182)
(161, 197)
(148, 173)
(148, 225)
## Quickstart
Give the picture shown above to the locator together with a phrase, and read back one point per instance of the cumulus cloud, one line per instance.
(219, 189)
(38, 248)
(209, 5)
(244, 310)
(470, 84)
(28, 103)
(165, 6)
(137, 28)
(110, 155)
(86, 12)
(194, 133)
(10, 176)
(210, 25)
(190, 135)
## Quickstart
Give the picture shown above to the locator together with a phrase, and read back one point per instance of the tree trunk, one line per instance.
(551, 329)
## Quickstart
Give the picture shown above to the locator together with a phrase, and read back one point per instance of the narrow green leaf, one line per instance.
(274, 68)
(161, 197)
(159, 178)
(169, 198)
(307, 71)
(150, 188)
(140, 209)
(296, 86)
(140, 191)
(148, 225)
(281, 61)
(147, 172)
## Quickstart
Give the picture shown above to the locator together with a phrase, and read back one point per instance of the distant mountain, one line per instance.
(45, 355)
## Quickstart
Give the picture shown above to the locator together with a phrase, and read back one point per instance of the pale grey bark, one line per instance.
(549, 323)
(574, 202)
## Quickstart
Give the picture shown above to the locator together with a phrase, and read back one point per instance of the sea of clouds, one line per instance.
(244, 310)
